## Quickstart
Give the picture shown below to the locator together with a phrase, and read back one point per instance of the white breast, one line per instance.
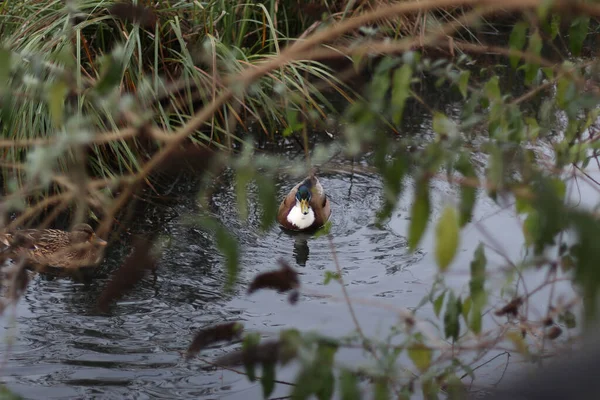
(300, 220)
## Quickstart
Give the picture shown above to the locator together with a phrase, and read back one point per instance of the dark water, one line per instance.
(61, 348)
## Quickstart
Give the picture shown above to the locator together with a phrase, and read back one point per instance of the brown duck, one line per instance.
(306, 207)
(54, 247)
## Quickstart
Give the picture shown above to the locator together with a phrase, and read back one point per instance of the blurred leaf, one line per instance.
(268, 379)
(535, 47)
(228, 246)
(6, 394)
(447, 237)
(517, 41)
(554, 26)
(476, 287)
(443, 125)
(455, 388)
(463, 82)
(568, 318)
(430, 389)
(517, 340)
(56, 101)
(349, 386)
(437, 304)
(468, 193)
(324, 230)
(419, 215)
(466, 308)
(492, 89)
(329, 275)
(111, 71)
(400, 91)
(250, 342)
(381, 389)
(268, 200)
(420, 355)
(451, 317)
(577, 34)
(5, 65)
(243, 176)
(543, 8)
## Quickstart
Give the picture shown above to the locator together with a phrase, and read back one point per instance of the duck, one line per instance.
(80, 247)
(306, 207)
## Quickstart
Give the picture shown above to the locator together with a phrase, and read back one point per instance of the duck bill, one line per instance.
(99, 242)
(304, 206)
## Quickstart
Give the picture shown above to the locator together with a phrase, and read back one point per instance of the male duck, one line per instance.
(57, 248)
(306, 207)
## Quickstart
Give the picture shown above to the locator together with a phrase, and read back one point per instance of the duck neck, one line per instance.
(299, 219)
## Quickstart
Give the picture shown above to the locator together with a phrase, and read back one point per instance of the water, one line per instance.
(63, 349)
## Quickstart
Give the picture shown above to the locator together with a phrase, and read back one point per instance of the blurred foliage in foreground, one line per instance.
(533, 142)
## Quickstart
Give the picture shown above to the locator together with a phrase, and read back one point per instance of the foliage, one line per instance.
(80, 99)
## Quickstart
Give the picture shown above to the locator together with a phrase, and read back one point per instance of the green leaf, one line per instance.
(268, 379)
(517, 41)
(466, 308)
(349, 386)
(400, 91)
(437, 304)
(535, 47)
(476, 287)
(324, 230)
(463, 82)
(382, 389)
(229, 247)
(468, 193)
(250, 342)
(455, 388)
(492, 89)
(447, 237)
(419, 215)
(451, 317)
(420, 355)
(57, 92)
(554, 26)
(111, 71)
(568, 318)
(329, 276)
(543, 8)
(5, 65)
(430, 389)
(242, 178)
(443, 125)
(268, 200)
(517, 340)
(6, 394)
(577, 34)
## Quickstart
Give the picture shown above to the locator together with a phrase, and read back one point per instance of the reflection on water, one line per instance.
(64, 349)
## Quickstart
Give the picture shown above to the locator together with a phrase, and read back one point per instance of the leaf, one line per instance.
(447, 237)
(430, 389)
(535, 47)
(250, 342)
(451, 322)
(517, 41)
(554, 26)
(443, 125)
(577, 34)
(324, 230)
(468, 192)
(381, 389)
(419, 215)
(492, 89)
(568, 318)
(420, 355)
(466, 307)
(463, 82)
(242, 178)
(268, 200)
(476, 287)
(517, 340)
(543, 8)
(437, 304)
(455, 388)
(267, 380)
(349, 386)
(111, 71)
(400, 91)
(329, 276)
(5, 65)
(57, 92)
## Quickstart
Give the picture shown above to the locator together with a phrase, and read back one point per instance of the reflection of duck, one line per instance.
(54, 247)
(301, 251)
(306, 206)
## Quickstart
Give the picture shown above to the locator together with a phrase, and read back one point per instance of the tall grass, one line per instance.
(68, 50)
